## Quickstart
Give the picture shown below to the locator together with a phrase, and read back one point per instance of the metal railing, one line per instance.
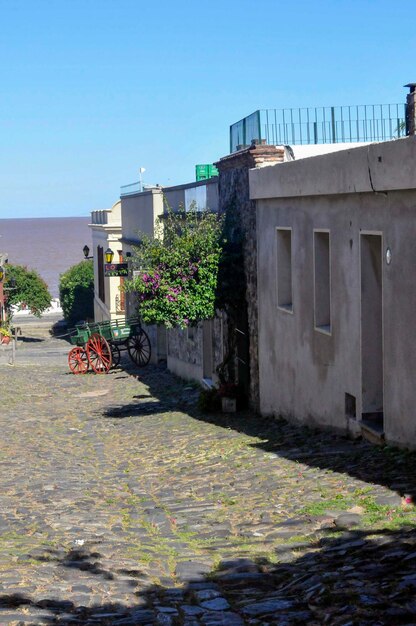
(126, 190)
(139, 187)
(343, 124)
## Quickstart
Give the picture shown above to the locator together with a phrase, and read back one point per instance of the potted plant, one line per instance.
(5, 334)
(229, 393)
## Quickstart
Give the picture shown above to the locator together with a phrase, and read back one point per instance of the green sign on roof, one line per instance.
(204, 171)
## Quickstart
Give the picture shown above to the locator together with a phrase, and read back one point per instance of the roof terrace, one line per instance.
(342, 124)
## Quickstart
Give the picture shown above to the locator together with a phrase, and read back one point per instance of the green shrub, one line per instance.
(76, 291)
(209, 400)
(29, 289)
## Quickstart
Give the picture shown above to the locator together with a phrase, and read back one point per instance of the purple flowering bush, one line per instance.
(177, 286)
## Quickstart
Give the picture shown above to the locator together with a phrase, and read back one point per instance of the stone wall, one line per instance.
(186, 345)
(234, 194)
(185, 349)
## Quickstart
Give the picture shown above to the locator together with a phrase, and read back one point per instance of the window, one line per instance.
(322, 281)
(284, 268)
(350, 406)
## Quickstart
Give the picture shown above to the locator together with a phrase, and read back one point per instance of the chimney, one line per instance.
(411, 110)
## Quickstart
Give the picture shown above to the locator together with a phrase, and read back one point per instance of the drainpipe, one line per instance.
(411, 110)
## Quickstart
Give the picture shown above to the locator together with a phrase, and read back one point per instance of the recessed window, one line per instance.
(284, 268)
(322, 275)
(350, 406)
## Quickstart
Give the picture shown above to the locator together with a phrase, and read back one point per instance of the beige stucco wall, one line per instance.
(203, 195)
(305, 373)
(139, 213)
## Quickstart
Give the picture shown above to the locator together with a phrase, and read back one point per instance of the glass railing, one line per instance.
(342, 124)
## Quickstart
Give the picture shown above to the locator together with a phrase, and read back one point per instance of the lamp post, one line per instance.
(109, 254)
(86, 252)
(6, 290)
(2, 273)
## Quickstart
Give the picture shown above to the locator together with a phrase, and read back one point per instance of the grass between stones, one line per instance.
(372, 514)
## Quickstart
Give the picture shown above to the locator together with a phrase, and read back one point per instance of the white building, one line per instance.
(106, 233)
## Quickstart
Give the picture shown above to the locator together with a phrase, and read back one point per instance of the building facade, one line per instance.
(194, 352)
(106, 233)
(336, 290)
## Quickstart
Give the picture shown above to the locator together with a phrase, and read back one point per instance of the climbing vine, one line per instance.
(177, 269)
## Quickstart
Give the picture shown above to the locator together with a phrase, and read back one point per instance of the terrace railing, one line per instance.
(343, 124)
(127, 190)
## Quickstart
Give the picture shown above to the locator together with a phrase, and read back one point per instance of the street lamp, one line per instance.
(86, 252)
(109, 255)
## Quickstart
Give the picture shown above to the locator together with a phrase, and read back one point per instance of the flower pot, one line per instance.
(5, 339)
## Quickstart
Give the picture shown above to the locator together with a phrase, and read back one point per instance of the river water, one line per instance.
(48, 245)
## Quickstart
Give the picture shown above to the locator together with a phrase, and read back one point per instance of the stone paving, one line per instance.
(122, 504)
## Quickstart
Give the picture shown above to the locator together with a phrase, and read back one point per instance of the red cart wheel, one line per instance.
(99, 354)
(139, 348)
(78, 361)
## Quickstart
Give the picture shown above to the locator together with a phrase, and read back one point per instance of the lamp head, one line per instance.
(109, 254)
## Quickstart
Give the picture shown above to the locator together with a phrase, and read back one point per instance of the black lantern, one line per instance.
(109, 255)
(86, 251)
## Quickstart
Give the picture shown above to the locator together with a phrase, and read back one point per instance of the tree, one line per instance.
(76, 291)
(25, 287)
(177, 286)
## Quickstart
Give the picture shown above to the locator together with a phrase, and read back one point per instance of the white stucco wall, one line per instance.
(310, 150)
(106, 232)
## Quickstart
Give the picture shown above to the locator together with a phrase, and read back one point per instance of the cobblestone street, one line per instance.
(122, 504)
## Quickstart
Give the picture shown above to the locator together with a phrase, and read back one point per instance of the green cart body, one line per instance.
(99, 345)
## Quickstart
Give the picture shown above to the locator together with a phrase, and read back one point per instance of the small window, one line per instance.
(350, 406)
(284, 268)
(322, 275)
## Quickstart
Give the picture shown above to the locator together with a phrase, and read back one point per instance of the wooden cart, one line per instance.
(99, 345)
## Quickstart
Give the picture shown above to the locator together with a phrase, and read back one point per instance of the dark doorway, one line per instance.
(372, 330)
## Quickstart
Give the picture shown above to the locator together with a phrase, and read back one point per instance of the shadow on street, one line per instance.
(391, 467)
(357, 578)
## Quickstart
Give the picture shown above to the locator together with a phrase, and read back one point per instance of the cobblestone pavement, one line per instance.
(122, 504)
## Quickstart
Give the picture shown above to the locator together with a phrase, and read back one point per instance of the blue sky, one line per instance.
(91, 90)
